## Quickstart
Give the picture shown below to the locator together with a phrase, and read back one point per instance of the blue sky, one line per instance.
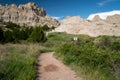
(63, 8)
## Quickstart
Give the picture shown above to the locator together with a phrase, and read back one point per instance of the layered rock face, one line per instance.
(115, 19)
(94, 27)
(28, 14)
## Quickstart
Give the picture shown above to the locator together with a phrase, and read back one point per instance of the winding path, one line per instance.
(52, 69)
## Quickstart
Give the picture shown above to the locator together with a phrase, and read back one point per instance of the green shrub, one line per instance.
(103, 41)
(115, 46)
(92, 57)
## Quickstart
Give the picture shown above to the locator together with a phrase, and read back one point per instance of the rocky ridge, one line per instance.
(94, 27)
(27, 14)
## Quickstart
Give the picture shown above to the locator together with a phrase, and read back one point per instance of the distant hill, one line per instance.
(26, 14)
(94, 26)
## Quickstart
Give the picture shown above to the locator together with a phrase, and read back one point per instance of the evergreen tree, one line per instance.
(1, 35)
(11, 25)
(45, 28)
(8, 36)
(16, 35)
(37, 35)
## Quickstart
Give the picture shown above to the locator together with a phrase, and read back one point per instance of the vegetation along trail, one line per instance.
(52, 69)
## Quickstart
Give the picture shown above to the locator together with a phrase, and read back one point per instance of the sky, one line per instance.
(61, 8)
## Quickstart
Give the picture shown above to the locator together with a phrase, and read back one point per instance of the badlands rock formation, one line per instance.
(115, 19)
(27, 14)
(94, 27)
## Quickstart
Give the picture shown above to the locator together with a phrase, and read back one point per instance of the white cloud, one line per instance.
(102, 3)
(58, 17)
(55, 17)
(103, 15)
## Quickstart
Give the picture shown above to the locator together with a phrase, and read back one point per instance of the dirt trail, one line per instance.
(52, 69)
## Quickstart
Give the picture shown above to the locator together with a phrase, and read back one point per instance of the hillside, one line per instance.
(94, 27)
(26, 14)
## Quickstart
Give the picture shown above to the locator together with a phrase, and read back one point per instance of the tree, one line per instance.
(37, 35)
(11, 25)
(1, 35)
(45, 28)
(8, 36)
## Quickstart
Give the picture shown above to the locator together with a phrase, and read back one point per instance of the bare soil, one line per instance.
(52, 69)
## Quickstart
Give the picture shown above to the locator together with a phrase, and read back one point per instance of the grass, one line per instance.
(57, 39)
(18, 61)
(94, 58)
(90, 74)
